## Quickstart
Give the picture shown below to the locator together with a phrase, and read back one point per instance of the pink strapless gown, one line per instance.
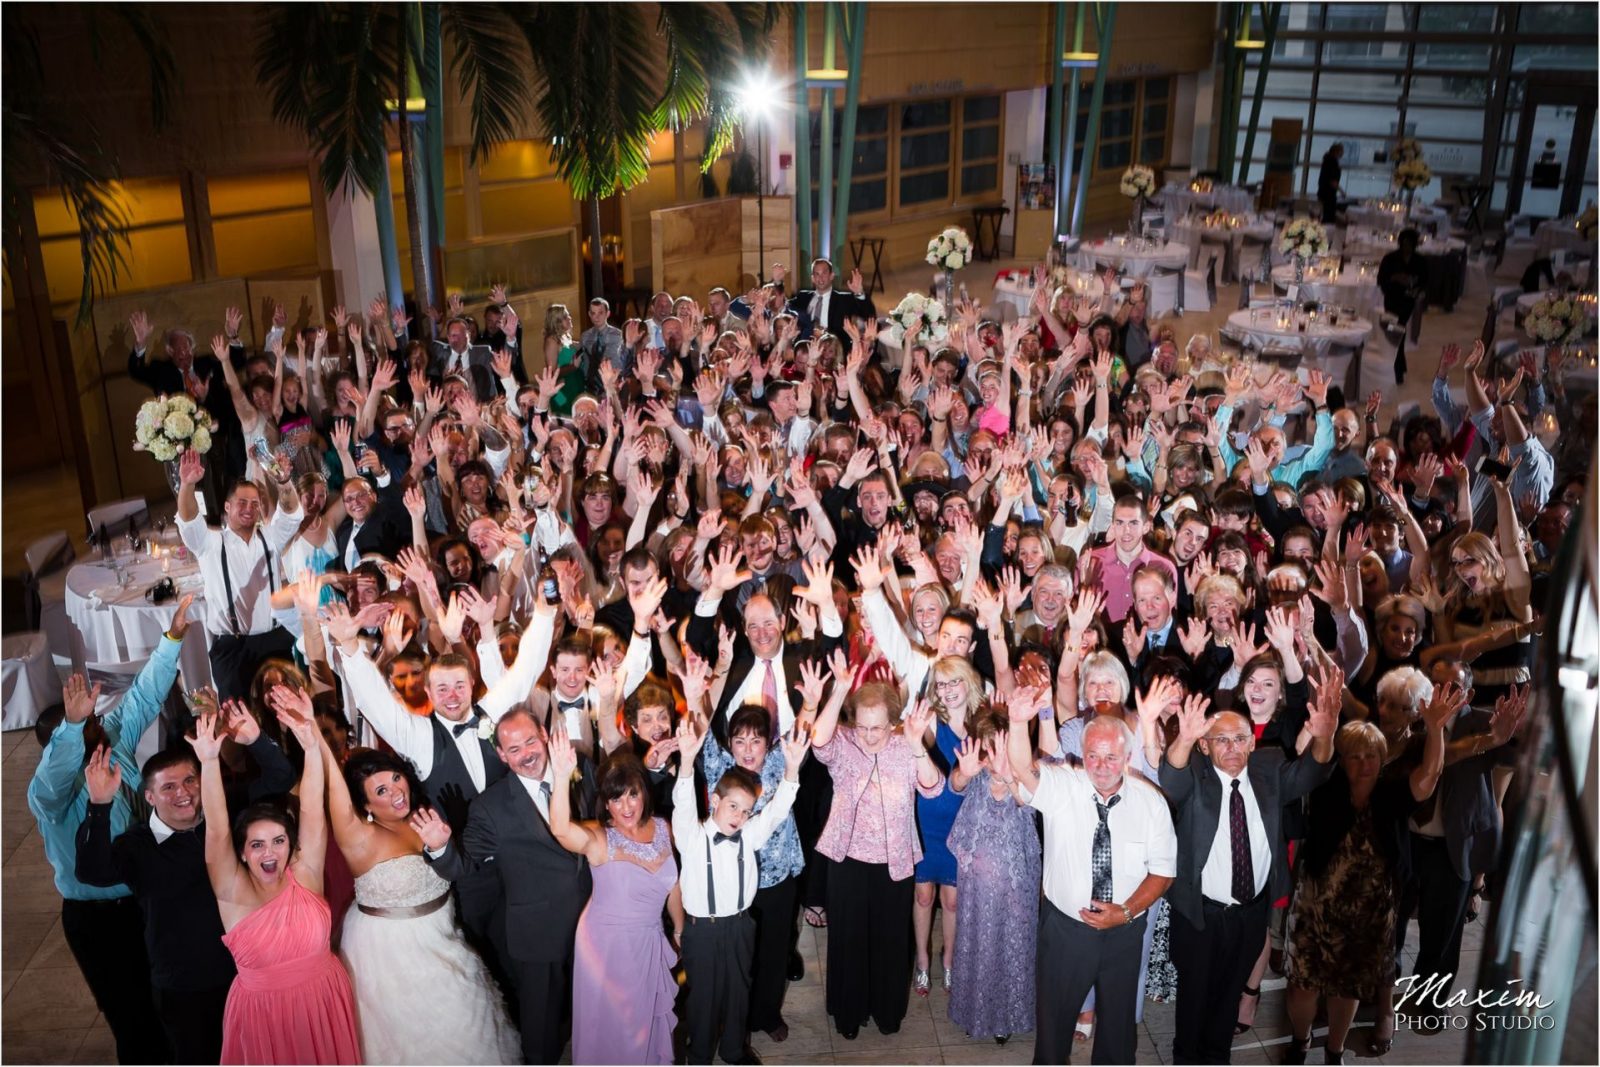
(291, 1001)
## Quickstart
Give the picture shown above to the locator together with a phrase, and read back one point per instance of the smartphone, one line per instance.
(1494, 468)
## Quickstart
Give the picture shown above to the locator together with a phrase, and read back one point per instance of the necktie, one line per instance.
(469, 723)
(769, 699)
(547, 793)
(815, 311)
(1101, 856)
(1244, 878)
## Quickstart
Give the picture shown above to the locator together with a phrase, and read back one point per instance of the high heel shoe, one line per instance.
(945, 978)
(1241, 1026)
(1295, 1053)
(919, 981)
(1330, 1055)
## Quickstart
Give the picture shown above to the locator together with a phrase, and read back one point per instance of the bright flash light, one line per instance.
(758, 95)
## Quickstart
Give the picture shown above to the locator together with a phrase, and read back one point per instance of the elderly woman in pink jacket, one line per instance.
(871, 844)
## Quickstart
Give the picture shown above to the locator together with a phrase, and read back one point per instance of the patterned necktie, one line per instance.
(1244, 878)
(769, 699)
(1101, 856)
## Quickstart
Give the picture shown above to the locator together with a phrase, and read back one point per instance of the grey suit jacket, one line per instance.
(1195, 793)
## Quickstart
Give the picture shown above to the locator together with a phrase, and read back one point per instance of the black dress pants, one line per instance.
(192, 1019)
(774, 911)
(716, 964)
(869, 945)
(1438, 896)
(234, 659)
(1214, 966)
(544, 1007)
(107, 939)
(1074, 958)
(811, 810)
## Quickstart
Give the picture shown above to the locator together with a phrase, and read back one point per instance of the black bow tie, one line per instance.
(568, 705)
(719, 837)
(469, 723)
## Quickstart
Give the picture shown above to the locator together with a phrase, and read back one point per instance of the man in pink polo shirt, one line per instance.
(1125, 554)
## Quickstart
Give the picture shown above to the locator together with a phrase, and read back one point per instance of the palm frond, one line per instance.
(489, 60)
(289, 50)
(350, 103)
(162, 67)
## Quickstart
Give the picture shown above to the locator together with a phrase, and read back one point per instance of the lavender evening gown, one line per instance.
(622, 987)
(998, 873)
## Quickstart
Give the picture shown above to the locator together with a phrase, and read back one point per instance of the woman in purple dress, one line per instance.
(999, 868)
(622, 987)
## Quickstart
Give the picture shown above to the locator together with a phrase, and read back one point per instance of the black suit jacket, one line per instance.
(842, 305)
(480, 365)
(1195, 793)
(1465, 798)
(519, 889)
(381, 533)
(703, 639)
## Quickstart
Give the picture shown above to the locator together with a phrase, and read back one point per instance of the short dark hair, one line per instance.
(648, 695)
(237, 484)
(738, 778)
(750, 719)
(623, 773)
(966, 616)
(363, 763)
(638, 558)
(168, 757)
(1234, 503)
(600, 301)
(264, 811)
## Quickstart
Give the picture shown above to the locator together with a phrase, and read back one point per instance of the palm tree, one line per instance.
(44, 143)
(596, 76)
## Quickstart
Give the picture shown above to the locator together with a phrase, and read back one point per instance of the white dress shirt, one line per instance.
(910, 665)
(754, 682)
(1143, 841)
(694, 837)
(535, 789)
(352, 554)
(1216, 877)
(247, 568)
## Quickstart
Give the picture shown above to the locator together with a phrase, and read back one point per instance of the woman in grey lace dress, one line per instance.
(999, 869)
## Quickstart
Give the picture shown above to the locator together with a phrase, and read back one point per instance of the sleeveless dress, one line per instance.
(423, 995)
(936, 815)
(572, 380)
(622, 986)
(291, 1001)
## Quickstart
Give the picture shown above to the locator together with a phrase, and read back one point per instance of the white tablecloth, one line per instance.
(1376, 214)
(1554, 236)
(1178, 200)
(1360, 243)
(1015, 295)
(1136, 259)
(1197, 235)
(120, 626)
(1349, 289)
(1316, 341)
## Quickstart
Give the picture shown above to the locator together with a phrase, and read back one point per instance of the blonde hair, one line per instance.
(1481, 547)
(1354, 738)
(552, 319)
(946, 668)
(1219, 585)
(1102, 664)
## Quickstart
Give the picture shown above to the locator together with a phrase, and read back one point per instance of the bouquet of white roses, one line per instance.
(1412, 174)
(1556, 320)
(1138, 182)
(1303, 239)
(950, 250)
(168, 425)
(935, 327)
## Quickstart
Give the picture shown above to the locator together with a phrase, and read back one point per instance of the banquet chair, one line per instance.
(115, 518)
(1200, 283)
(28, 681)
(44, 586)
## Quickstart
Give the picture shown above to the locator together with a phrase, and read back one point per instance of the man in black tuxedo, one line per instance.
(519, 888)
(370, 525)
(824, 306)
(456, 354)
(1231, 858)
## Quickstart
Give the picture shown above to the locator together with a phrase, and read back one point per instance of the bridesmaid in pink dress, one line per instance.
(622, 987)
(291, 1001)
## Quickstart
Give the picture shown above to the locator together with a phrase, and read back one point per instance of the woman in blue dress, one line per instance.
(957, 693)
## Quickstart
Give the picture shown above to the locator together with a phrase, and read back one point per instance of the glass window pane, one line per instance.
(1117, 123)
(980, 143)
(1449, 89)
(1153, 150)
(1557, 18)
(1280, 82)
(925, 149)
(872, 120)
(980, 108)
(921, 188)
(1116, 154)
(979, 179)
(1557, 56)
(1441, 56)
(1368, 18)
(1457, 18)
(1449, 123)
(1155, 118)
(925, 113)
(868, 196)
(1120, 92)
(1157, 89)
(872, 156)
(1380, 87)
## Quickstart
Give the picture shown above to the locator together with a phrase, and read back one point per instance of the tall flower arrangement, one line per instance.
(950, 250)
(1138, 184)
(935, 324)
(169, 425)
(1303, 240)
(1556, 321)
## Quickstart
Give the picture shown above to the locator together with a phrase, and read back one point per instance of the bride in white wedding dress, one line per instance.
(409, 964)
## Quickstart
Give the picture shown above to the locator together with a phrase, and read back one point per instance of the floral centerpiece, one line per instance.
(1303, 240)
(1138, 184)
(951, 249)
(1200, 185)
(1556, 320)
(935, 325)
(1412, 174)
(1407, 149)
(169, 425)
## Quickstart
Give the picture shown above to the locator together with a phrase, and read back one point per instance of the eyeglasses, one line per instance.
(1231, 740)
(1462, 562)
(950, 686)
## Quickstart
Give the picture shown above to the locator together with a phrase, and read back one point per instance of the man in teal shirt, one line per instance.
(103, 926)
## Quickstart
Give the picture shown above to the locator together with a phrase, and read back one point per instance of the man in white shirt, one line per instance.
(240, 564)
(1109, 854)
(718, 877)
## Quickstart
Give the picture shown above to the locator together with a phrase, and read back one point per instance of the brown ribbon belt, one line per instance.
(416, 911)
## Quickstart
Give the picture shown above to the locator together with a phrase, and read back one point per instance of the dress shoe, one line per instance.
(749, 1056)
(850, 1033)
(779, 1033)
(887, 1030)
(797, 967)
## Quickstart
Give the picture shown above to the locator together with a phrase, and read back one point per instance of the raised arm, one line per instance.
(228, 880)
(586, 839)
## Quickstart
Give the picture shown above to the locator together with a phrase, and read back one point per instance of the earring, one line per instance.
(369, 816)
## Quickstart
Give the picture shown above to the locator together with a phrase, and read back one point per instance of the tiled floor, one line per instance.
(49, 1016)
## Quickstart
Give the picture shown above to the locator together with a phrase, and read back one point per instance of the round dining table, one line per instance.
(116, 622)
(1562, 235)
(1230, 239)
(1136, 257)
(1262, 328)
(1353, 287)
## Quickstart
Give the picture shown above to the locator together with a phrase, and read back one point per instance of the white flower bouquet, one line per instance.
(1138, 183)
(1556, 320)
(951, 249)
(935, 325)
(169, 425)
(1412, 174)
(1303, 239)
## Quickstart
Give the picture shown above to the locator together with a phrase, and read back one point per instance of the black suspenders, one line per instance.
(227, 577)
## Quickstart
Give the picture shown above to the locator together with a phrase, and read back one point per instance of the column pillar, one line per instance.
(354, 250)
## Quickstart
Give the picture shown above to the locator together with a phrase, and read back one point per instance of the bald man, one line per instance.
(1232, 860)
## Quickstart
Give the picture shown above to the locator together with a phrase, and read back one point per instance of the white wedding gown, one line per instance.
(422, 995)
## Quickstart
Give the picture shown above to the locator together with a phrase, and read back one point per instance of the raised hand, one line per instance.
(433, 831)
(452, 619)
(818, 589)
(725, 574)
(813, 681)
(139, 325)
(796, 743)
(563, 757)
(916, 721)
(1157, 698)
(969, 758)
(869, 567)
(1192, 722)
(647, 599)
(1194, 637)
(1509, 711)
(206, 742)
(689, 742)
(103, 776)
(240, 724)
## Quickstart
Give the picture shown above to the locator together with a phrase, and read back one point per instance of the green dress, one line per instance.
(573, 381)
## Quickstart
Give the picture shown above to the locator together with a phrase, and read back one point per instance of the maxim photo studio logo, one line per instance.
(1425, 1002)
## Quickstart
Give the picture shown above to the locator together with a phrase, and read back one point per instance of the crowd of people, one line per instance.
(542, 679)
